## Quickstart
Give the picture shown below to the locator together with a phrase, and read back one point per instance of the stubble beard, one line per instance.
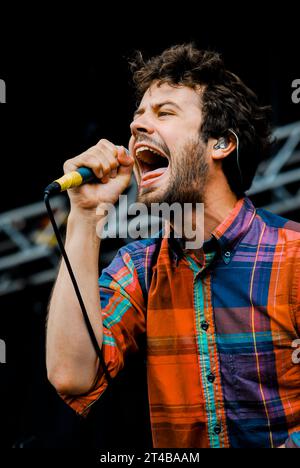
(187, 180)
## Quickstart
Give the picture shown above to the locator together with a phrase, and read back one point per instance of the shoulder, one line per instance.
(288, 230)
(134, 260)
(139, 252)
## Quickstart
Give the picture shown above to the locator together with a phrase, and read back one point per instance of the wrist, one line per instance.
(83, 228)
(89, 220)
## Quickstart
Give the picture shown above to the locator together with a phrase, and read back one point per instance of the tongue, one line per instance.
(156, 173)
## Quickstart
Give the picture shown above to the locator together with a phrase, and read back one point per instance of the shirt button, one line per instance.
(227, 257)
(211, 378)
(204, 326)
(217, 429)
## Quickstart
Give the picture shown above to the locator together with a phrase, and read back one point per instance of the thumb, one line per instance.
(126, 161)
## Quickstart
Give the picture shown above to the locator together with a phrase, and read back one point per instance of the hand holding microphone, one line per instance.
(112, 167)
(106, 163)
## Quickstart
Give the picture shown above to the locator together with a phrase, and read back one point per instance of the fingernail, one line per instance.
(126, 150)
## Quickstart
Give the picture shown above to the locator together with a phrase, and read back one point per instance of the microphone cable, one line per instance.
(76, 288)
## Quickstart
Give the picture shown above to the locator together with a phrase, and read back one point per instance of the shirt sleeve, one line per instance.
(123, 315)
(296, 291)
(294, 440)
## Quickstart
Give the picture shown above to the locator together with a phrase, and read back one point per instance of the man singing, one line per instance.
(220, 321)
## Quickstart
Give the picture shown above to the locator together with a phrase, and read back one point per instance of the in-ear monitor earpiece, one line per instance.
(221, 144)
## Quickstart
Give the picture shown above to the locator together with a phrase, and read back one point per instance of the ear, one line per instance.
(221, 153)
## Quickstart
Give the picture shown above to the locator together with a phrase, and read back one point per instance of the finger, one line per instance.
(69, 166)
(99, 163)
(113, 173)
(126, 161)
(110, 152)
(112, 159)
(83, 159)
(105, 179)
(108, 145)
(124, 157)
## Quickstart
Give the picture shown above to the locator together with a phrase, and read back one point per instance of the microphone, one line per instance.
(82, 175)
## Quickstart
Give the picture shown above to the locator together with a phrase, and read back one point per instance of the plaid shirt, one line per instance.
(220, 332)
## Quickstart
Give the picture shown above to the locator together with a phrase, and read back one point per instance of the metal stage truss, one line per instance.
(28, 251)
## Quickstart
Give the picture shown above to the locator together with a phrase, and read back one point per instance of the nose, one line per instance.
(141, 124)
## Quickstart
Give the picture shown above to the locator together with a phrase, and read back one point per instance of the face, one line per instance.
(169, 153)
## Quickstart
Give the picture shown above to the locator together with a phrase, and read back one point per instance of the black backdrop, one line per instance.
(68, 85)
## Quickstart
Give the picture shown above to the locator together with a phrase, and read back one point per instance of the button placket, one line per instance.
(205, 364)
(211, 377)
(217, 429)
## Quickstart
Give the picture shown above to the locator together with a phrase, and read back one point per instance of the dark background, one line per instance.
(68, 85)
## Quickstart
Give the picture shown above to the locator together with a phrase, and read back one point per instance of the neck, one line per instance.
(216, 208)
(219, 201)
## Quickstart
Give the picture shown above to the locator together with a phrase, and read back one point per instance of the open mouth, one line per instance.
(152, 163)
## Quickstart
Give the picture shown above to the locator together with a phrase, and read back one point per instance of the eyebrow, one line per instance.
(157, 106)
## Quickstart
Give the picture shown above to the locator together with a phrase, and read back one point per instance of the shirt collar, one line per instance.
(225, 236)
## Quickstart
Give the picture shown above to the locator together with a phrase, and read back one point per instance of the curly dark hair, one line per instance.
(227, 103)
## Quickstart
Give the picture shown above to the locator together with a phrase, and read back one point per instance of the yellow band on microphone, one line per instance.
(72, 179)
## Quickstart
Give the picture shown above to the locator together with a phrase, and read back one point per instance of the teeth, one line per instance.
(146, 148)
